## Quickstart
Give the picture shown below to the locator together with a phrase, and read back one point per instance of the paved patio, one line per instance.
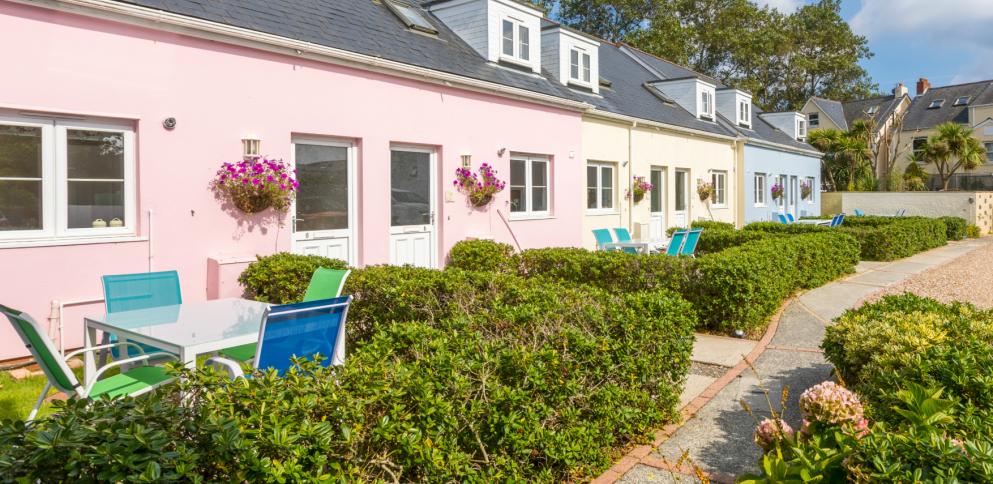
(717, 436)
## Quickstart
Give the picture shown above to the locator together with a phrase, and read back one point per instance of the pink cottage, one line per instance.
(114, 116)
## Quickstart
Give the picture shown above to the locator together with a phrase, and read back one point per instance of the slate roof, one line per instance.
(833, 110)
(885, 105)
(629, 96)
(920, 117)
(360, 26)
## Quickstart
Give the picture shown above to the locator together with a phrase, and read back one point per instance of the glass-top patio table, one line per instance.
(186, 330)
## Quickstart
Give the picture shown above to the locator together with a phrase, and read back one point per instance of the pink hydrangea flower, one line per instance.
(830, 403)
(770, 432)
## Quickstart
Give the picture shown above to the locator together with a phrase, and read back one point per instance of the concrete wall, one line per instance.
(975, 207)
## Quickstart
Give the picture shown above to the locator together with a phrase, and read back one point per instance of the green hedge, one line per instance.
(611, 270)
(955, 227)
(502, 379)
(482, 255)
(780, 228)
(890, 238)
(717, 240)
(283, 277)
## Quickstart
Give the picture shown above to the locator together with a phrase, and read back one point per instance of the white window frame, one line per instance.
(813, 188)
(782, 180)
(581, 66)
(706, 99)
(744, 113)
(759, 187)
(720, 189)
(801, 129)
(55, 188)
(599, 208)
(528, 211)
(813, 120)
(515, 56)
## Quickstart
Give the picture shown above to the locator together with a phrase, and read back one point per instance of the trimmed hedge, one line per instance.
(712, 241)
(502, 379)
(890, 238)
(611, 270)
(283, 277)
(482, 255)
(955, 227)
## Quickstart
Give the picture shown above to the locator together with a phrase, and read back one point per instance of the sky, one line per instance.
(946, 41)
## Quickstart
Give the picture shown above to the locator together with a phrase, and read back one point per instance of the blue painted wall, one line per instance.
(774, 163)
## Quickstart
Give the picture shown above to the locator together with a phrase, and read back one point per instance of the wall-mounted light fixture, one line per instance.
(251, 147)
(466, 160)
(501, 151)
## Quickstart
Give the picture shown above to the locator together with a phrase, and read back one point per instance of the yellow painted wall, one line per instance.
(825, 120)
(608, 141)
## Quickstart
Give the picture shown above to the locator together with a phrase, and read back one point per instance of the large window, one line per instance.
(744, 113)
(801, 129)
(813, 189)
(760, 189)
(516, 41)
(706, 104)
(719, 179)
(579, 70)
(529, 185)
(814, 119)
(62, 179)
(989, 151)
(918, 147)
(600, 187)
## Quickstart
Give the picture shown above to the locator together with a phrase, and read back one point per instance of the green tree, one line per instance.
(951, 149)
(847, 161)
(608, 19)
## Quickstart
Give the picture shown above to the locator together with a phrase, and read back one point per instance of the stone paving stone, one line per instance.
(880, 278)
(695, 385)
(868, 265)
(798, 328)
(720, 350)
(828, 302)
(906, 267)
(640, 474)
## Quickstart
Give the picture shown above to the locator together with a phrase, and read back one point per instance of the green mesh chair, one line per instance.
(133, 382)
(324, 284)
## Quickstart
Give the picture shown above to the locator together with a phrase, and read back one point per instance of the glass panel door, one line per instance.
(681, 215)
(412, 207)
(656, 221)
(323, 208)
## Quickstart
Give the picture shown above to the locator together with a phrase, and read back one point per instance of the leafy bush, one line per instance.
(779, 228)
(889, 238)
(613, 270)
(973, 231)
(955, 227)
(711, 225)
(283, 277)
(717, 240)
(504, 379)
(482, 255)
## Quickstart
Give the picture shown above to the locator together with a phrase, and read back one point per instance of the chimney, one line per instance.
(900, 90)
(923, 86)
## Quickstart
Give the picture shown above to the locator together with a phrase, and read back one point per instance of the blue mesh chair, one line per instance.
(130, 292)
(689, 246)
(303, 330)
(790, 217)
(624, 236)
(676, 243)
(602, 237)
(838, 220)
(782, 219)
(859, 213)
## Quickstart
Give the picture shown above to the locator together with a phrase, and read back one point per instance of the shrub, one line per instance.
(973, 231)
(711, 225)
(889, 238)
(955, 227)
(613, 270)
(512, 380)
(283, 277)
(717, 240)
(482, 255)
(779, 228)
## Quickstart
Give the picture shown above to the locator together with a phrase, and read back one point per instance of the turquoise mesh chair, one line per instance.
(602, 237)
(624, 236)
(782, 219)
(859, 213)
(689, 246)
(135, 381)
(324, 284)
(303, 330)
(790, 217)
(676, 243)
(130, 292)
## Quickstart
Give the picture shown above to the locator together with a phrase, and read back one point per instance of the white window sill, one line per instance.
(521, 217)
(578, 83)
(516, 61)
(595, 213)
(719, 206)
(54, 242)
(759, 205)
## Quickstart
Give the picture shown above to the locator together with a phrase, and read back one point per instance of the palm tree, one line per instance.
(847, 158)
(950, 149)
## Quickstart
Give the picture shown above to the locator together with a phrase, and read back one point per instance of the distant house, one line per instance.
(967, 104)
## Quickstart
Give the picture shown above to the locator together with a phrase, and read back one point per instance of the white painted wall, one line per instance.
(686, 93)
(556, 49)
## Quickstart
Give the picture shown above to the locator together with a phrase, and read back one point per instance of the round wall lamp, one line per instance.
(169, 123)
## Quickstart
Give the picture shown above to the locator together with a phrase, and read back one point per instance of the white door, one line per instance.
(412, 207)
(793, 195)
(656, 221)
(681, 215)
(324, 209)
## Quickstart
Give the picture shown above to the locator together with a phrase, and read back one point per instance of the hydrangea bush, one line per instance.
(254, 185)
(478, 188)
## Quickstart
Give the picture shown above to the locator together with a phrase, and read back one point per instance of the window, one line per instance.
(706, 104)
(759, 187)
(719, 179)
(814, 119)
(411, 16)
(65, 179)
(989, 151)
(782, 185)
(745, 113)
(516, 40)
(801, 129)
(529, 185)
(937, 103)
(962, 100)
(813, 189)
(600, 186)
(872, 110)
(655, 196)
(918, 147)
(579, 66)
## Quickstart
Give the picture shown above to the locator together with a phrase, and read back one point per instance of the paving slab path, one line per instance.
(716, 435)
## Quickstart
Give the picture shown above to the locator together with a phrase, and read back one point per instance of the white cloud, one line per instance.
(961, 27)
(785, 6)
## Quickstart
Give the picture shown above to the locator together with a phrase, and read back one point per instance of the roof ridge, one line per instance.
(625, 44)
(934, 88)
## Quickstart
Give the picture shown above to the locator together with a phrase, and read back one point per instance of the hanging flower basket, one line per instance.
(777, 191)
(705, 191)
(641, 187)
(256, 184)
(481, 188)
(805, 190)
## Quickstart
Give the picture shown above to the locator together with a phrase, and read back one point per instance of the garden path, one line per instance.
(716, 436)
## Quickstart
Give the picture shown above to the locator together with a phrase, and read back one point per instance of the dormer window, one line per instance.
(872, 110)
(516, 42)
(962, 101)
(937, 103)
(706, 104)
(411, 16)
(579, 66)
(744, 113)
(801, 129)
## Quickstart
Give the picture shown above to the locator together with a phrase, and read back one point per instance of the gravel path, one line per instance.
(967, 278)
